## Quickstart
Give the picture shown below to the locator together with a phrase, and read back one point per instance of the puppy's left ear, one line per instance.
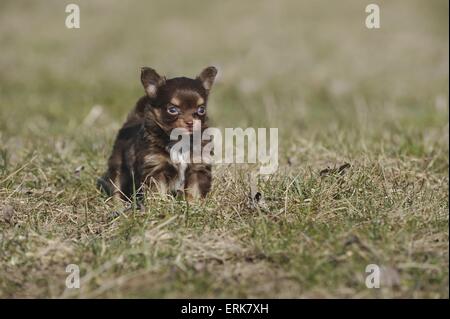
(207, 77)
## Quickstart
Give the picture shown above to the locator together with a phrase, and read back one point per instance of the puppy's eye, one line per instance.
(173, 110)
(201, 110)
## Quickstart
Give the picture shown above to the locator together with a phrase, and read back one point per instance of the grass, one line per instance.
(338, 92)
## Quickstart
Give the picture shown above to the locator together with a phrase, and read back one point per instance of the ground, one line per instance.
(338, 93)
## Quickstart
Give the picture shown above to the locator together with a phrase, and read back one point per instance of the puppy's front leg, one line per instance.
(198, 181)
(160, 178)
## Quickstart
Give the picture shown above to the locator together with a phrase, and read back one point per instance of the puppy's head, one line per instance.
(177, 102)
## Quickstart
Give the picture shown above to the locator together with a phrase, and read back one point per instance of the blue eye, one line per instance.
(201, 110)
(173, 110)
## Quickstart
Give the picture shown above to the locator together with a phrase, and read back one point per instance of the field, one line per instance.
(338, 93)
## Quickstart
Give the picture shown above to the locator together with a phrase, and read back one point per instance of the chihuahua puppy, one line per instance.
(140, 159)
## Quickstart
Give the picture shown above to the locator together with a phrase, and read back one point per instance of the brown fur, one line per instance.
(140, 159)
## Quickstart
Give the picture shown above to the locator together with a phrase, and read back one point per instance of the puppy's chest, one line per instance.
(173, 164)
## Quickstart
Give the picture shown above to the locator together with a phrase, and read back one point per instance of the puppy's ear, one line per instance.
(151, 81)
(207, 77)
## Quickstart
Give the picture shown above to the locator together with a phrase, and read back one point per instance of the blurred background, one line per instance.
(302, 65)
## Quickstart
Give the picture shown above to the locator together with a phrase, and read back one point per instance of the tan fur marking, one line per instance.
(193, 191)
(175, 101)
(154, 161)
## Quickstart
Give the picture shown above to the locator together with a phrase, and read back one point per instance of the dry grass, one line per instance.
(338, 93)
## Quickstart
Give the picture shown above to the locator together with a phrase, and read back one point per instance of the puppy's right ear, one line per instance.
(151, 81)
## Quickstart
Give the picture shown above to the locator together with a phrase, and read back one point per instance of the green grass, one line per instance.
(338, 92)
